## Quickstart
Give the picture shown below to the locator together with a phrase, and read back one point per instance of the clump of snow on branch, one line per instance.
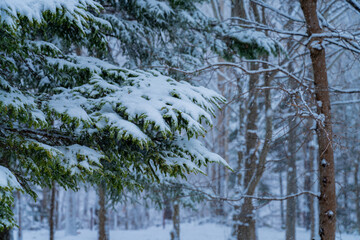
(75, 10)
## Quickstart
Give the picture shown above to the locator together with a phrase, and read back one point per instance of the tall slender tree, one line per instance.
(326, 164)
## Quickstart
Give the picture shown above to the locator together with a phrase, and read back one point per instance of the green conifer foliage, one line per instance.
(65, 117)
(177, 33)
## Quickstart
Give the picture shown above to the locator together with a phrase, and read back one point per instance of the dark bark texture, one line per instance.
(102, 213)
(327, 199)
(291, 187)
(5, 234)
(175, 234)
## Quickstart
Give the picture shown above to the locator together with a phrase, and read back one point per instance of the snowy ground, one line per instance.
(188, 232)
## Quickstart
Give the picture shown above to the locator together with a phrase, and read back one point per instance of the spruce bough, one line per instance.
(65, 117)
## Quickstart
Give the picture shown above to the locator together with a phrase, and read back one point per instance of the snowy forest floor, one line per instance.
(189, 231)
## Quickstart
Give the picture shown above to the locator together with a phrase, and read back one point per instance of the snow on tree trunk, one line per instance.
(220, 175)
(70, 222)
(244, 226)
(223, 145)
(327, 199)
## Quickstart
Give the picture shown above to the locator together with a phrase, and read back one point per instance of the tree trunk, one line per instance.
(70, 224)
(223, 147)
(327, 199)
(246, 223)
(244, 226)
(5, 234)
(102, 213)
(44, 204)
(52, 210)
(63, 209)
(175, 233)
(115, 214)
(57, 210)
(214, 185)
(220, 174)
(222, 125)
(307, 184)
(357, 193)
(281, 202)
(85, 215)
(19, 220)
(167, 213)
(238, 9)
(346, 214)
(126, 217)
(310, 199)
(291, 187)
(91, 223)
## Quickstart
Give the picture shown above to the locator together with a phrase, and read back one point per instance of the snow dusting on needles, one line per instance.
(156, 7)
(62, 114)
(7, 179)
(251, 36)
(34, 9)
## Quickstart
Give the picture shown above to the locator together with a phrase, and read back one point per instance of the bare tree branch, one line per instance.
(261, 3)
(354, 4)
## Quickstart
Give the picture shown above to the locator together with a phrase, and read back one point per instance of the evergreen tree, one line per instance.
(177, 33)
(64, 117)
